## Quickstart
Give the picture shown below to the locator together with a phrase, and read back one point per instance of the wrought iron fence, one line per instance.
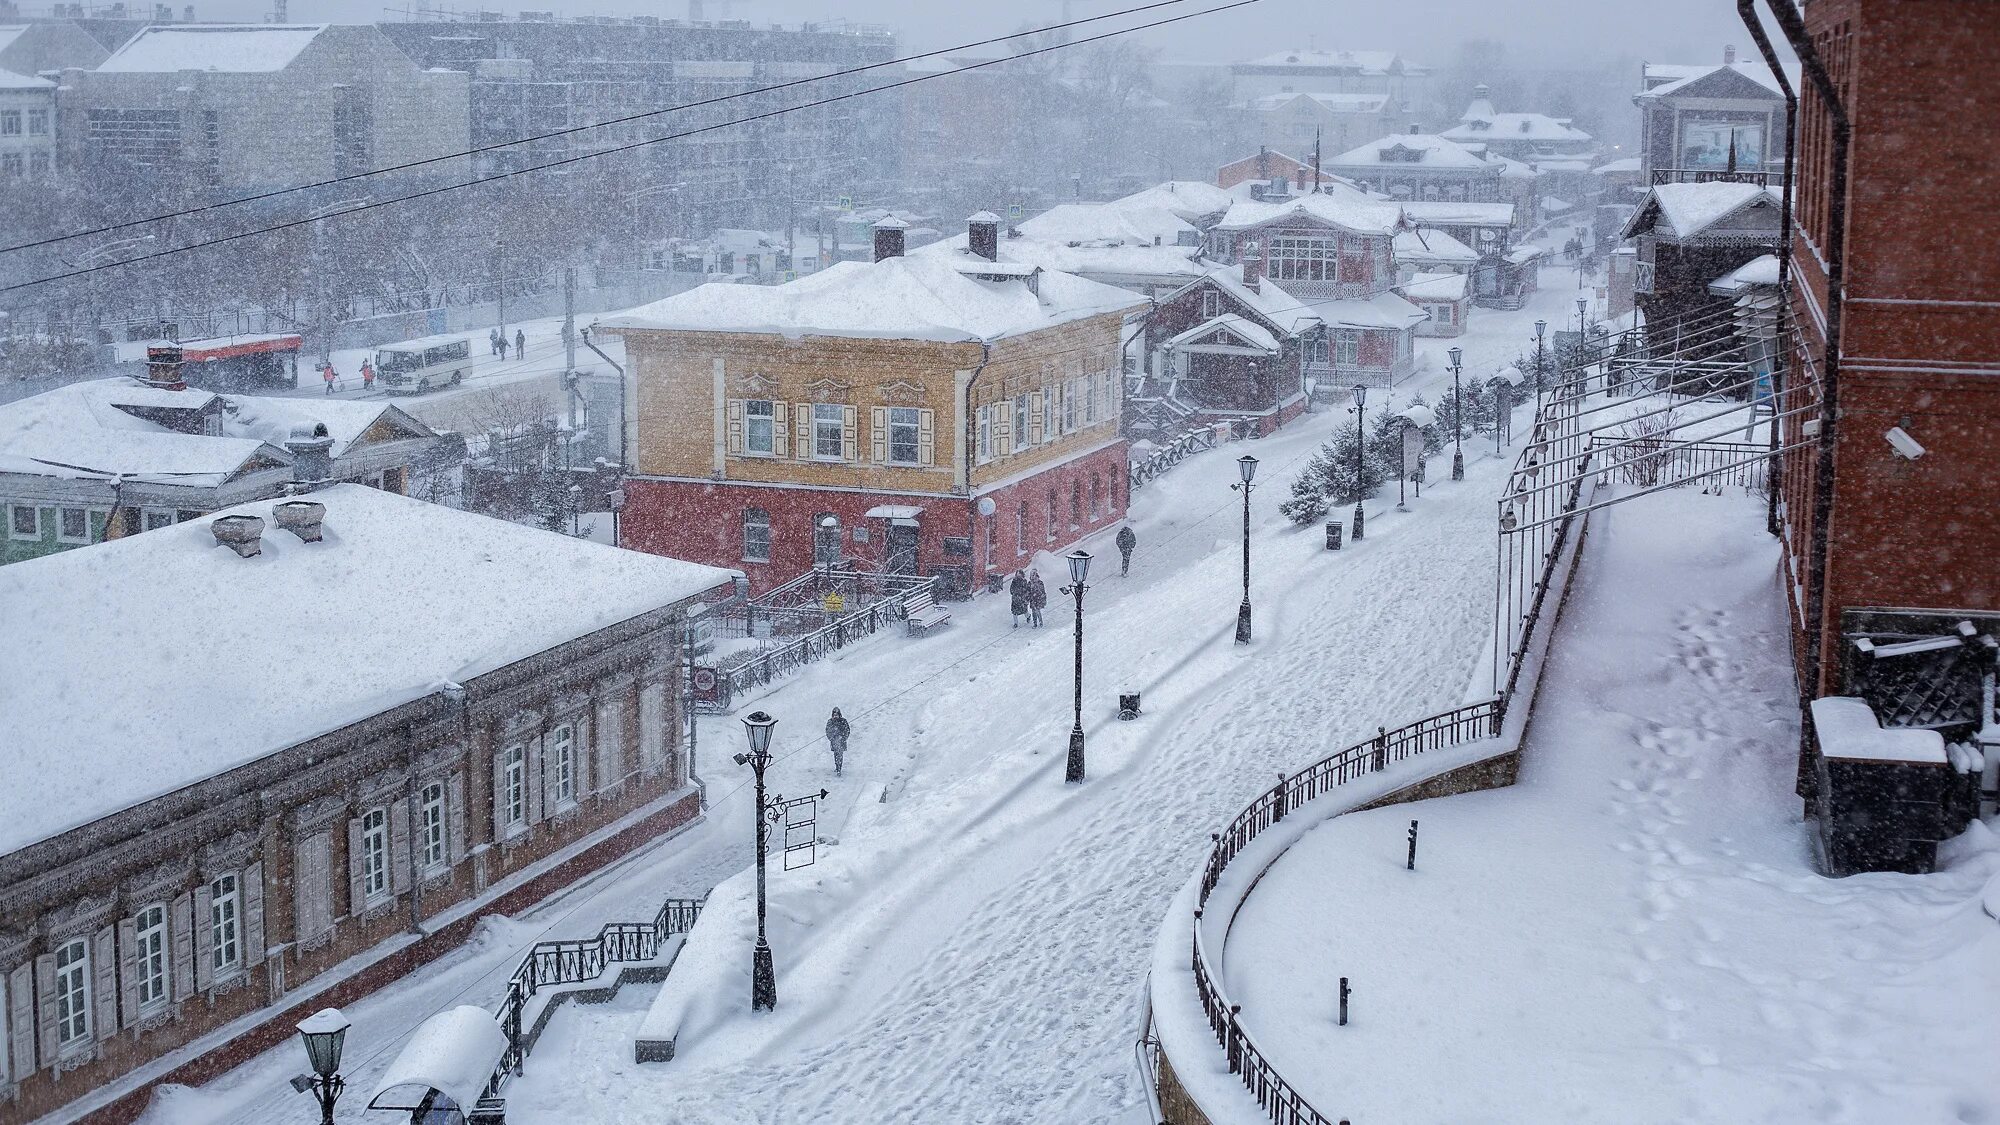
(1281, 1102)
(760, 668)
(1173, 453)
(1661, 460)
(569, 962)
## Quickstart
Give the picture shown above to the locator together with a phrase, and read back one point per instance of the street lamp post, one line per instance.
(763, 974)
(1541, 368)
(1457, 418)
(1247, 466)
(1360, 455)
(324, 1033)
(1079, 570)
(1582, 311)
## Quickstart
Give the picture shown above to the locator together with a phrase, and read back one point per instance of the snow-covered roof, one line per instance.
(1337, 204)
(1761, 270)
(1683, 77)
(1428, 244)
(151, 662)
(1360, 62)
(453, 1052)
(227, 48)
(1847, 728)
(79, 430)
(1249, 332)
(272, 419)
(12, 81)
(1617, 167)
(1515, 127)
(1435, 287)
(1453, 213)
(928, 297)
(1187, 200)
(1290, 313)
(1431, 151)
(1332, 103)
(1688, 209)
(1384, 310)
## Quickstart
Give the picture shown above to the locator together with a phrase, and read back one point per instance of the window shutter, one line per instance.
(652, 724)
(735, 425)
(1035, 434)
(926, 437)
(499, 823)
(454, 818)
(204, 938)
(610, 728)
(802, 420)
(128, 969)
(357, 891)
(1003, 429)
(253, 915)
(778, 430)
(45, 992)
(21, 1001)
(183, 945)
(878, 434)
(104, 982)
(540, 778)
(850, 445)
(399, 846)
(312, 885)
(1056, 409)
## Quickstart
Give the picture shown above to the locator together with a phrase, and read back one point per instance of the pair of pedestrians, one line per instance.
(1027, 597)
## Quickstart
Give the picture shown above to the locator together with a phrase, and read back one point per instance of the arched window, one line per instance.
(1021, 528)
(1096, 498)
(1052, 515)
(1075, 505)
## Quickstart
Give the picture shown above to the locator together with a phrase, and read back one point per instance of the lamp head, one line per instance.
(324, 1034)
(1541, 326)
(1456, 354)
(1247, 465)
(1360, 396)
(1079, 566)
(757, 725)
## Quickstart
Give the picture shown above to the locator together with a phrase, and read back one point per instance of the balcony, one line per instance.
(1717, 175)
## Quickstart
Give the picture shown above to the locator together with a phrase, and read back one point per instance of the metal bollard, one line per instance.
(1333, 530)
(1343, 1001)
(1411, 863)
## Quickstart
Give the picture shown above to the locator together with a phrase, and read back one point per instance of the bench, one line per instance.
(923, 613)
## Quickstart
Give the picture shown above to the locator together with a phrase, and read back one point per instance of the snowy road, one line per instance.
(972, 948)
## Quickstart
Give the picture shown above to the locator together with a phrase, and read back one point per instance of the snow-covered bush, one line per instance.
(1332, 478)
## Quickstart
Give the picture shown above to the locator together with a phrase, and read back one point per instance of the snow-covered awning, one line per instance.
(895, 512)
(453, 1053)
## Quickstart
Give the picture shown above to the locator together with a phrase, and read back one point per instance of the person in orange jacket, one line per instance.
(367, 376)
(326, 372)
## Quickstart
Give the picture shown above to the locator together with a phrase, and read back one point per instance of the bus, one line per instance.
(241, 363)
(416, 366)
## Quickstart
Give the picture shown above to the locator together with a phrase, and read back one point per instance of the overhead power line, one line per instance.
(372, 205)
(574, 129)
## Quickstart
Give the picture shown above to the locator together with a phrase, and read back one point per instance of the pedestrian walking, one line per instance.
(367, 376)
(1126, 541)
(836, 739)
(494, 344)
(1038, 596)
(1017, 591)
(520, 344)
(326, 373)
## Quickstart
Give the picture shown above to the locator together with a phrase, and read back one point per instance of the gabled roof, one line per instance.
(1538, 127)
(12, 81)
(1337, 205)
(1187, 200)
(273, 419)
(1687, 210)
(1746, 80)
(1246, 334)
(1357, 62)
(1435, 287)
(80, 431)
(1095, 239)
(1397, 149)
(1430, 245)
(930, 297)
(1332, 103)
(1270, 302)
(1452, 213)
(225, 48)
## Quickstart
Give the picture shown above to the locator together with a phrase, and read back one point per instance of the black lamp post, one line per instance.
(1079, 570)
(1247, 466)
(1360, 454)
(1457, 419)
(763, 974)
(324, 1034)
(1582, 310)
(1541, 365)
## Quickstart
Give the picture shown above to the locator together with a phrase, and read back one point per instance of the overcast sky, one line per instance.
(1427, 31)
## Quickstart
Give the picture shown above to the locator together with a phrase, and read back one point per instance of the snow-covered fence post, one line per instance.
(1278, 799)
(1343, 1001)
(1411, 863)
(1234, 1048)
(1381, 748)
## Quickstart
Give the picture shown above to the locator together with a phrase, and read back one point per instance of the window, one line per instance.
(562, 751)
(903, 426)
(156, 519)
(827, 419)
(1049, 414)
(1069, 405)
(150, 955)
(1052, 515)
(1021, 422)
(73, 525)
(514, 786)
(10, 122)
(430, 826)
(759, 432)
(24, 522)
(1021, 528)
(985, 435)
(40, 162)
(1075, 505)
(1211, 304)
(73, 992)
(12, 164)
(375, 853)
(1096, 499)
(225, 911)
(1346, 348)
(1090, 393)
(1303, 258)
(756, 535)
(38, 122)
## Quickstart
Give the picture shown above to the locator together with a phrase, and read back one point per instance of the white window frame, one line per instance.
(73, 992)
(769, 418)
(62, 533)
(829, 419)
(10, 122)
(1347, 347)
(1211, 304)
(514, 792)
(14, 524)
(1020, 422)
(1304, 258)
(375, 880)
(907, 420)
(38, 122)
(431, 827)
(149, 930)
(225, 913)
(562, 758)
(756, 518)
(1049, 431)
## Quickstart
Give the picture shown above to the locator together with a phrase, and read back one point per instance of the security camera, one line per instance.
(1903, 443)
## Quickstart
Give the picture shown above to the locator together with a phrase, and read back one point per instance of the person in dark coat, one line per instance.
(520, 344)
(493, 344)
(1038, 596)
(1017, 592)
(836, 739)
(1126, 541)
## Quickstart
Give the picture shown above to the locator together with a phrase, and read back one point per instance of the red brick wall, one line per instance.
(1107, 466)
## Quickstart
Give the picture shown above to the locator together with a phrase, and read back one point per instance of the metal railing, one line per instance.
(760, 668)
(1281, 1102)
(1189, 443)
(570, 962)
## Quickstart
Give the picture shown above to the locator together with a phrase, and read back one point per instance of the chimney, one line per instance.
(163, 367)
(1728, 53)
(300, 517)
(242, 534)
(889, 237)
(1263, 162)
(1253, 267)
(312, 458)
(1416, 128)
(982, 235)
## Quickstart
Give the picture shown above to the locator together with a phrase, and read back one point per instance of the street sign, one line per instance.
(802, 830)
(847, 203)
(1013, 210)
(1413, 449)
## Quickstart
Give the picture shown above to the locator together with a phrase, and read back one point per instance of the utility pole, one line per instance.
(569, 358)
(500, 288)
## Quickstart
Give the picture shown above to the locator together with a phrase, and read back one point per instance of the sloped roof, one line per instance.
(12, 81)
(1433, 152)
(1384, 310)
(1251, 333)
(1446, 212)
(1115, 238)
(1289, 313)
(1689, 209)
(1435, 287)
(1331, 102)
(79, 430)
(1428, 244)
(1188, 200)
(1364, 62)
(1691, 77)
(225, 48)
(928, 297)
(272, 419)
(1337, 204)
(1515, 127)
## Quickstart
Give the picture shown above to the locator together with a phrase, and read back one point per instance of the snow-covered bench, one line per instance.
(924, 614)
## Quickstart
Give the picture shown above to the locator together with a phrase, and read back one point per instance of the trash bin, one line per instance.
(1333, 535)
(995, 582)
(1128, 705)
